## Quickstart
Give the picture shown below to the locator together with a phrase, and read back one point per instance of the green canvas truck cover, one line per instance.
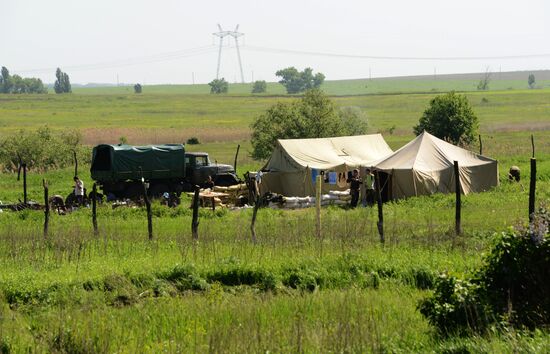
(111, 163)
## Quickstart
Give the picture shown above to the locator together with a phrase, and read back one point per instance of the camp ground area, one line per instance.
(423, 166)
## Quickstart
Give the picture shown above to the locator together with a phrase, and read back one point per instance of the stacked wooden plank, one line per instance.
(233, 194)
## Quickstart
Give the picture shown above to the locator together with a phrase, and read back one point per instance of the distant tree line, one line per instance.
(17, 84)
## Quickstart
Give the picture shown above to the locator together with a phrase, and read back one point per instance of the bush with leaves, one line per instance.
(511, 287)
(531, 81)
(259, 86)
(42, 149)
(218, 86)
(449, 117)
(299, 81)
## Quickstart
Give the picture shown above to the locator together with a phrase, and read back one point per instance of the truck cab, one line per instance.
(198, 167)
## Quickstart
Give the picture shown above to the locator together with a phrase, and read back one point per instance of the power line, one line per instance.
(190, 52)
(130, 61)
(378, 57)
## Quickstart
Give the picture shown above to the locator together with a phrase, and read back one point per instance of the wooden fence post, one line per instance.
(532, 188)
(149, 215)
(480, 146)
(236, 156)
(94, 209)
(318, 197)
(255, 210)
(533, 181)
(377, 190)
(46, 208)
(195, 221)
(458, 204)
(25, 183)
(75, 163)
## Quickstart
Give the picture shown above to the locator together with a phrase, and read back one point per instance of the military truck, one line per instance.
(120, 169)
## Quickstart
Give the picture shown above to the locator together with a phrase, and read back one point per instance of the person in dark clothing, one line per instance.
(209, 183)
(355, 184)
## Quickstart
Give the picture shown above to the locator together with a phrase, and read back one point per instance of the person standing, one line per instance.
(354, 186)
(368, 185)
(78, 191)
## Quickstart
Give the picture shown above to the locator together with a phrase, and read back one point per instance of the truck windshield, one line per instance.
(202, 160)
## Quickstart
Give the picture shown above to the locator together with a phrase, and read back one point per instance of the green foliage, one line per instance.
(531, 81)
(138, 88)
(218, 86)
(449, 117)
(259, 86)
(299, 81)
(455, 307)
(313, 116)
(193, 141)
(62, 83)
(515, 278)
(41, 149)
(512, 285)
(354, 120)
(18, 85)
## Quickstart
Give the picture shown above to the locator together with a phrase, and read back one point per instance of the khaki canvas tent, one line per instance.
(294, 163)
(425, 166)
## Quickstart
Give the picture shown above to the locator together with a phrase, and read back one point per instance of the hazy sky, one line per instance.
(166, 41)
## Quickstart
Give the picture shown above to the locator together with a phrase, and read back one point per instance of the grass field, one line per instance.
(77, 292)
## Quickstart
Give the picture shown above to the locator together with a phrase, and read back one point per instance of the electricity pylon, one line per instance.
(235, 34)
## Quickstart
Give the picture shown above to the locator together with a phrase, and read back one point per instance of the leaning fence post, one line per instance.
(533, 182)
(148, 206)
(195, 221)
(46, 208)
(378, 193)
(94, 209)
(255, 211)
(458, 204)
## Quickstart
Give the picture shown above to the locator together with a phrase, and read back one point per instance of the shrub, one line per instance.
(259, 86)
(193, 141)
(41, 149)
(512, 285)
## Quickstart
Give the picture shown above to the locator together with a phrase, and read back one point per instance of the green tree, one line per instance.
(138, 88)
(62, 84)
(298, 81)
(218, 86)
(353, 119)
(17, 84)
(259, 86)
(531, 81)
(6, 81)
(449, 117)
(312, 116)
